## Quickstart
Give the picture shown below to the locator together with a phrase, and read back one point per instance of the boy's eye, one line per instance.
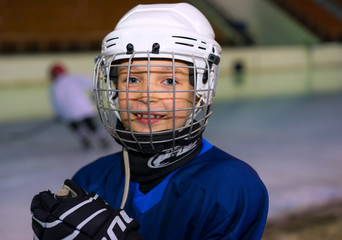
(169, 81)
(133, 80)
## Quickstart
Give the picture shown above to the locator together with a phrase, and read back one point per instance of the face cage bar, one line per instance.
(105, 90)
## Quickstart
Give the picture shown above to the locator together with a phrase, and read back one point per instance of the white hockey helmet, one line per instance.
(159, 31)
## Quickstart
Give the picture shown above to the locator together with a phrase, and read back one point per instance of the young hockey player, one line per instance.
(154, 84)
(72, 104)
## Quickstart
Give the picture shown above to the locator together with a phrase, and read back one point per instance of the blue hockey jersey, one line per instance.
(213, 196)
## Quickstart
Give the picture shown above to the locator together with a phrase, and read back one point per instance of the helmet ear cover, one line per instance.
(113, 74)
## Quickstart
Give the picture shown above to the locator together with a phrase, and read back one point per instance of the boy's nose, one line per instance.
(148, 93)
(147, 97)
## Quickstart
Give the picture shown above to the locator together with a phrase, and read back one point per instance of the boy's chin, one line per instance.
(146, 129)
(161, 126)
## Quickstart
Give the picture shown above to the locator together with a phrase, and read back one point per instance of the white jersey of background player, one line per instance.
(70, 94)
(72, 102)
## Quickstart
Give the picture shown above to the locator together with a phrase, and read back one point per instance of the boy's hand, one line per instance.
(71, 213)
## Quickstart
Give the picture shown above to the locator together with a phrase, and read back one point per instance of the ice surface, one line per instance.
(293, 143)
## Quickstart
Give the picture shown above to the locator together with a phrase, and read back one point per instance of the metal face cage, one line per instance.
(144, 102)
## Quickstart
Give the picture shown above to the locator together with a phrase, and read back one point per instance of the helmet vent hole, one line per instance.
(111, 45)
(183, 37)
(185, 44)
(111, 42)
(111, 39)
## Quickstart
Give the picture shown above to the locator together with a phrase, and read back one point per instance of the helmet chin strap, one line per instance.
(127, 178)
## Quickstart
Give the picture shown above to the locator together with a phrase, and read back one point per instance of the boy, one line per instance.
(154, 84)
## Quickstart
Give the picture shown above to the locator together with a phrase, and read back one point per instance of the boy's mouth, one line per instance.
(143, 117)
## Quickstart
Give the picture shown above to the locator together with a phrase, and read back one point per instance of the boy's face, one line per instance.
(160, 105)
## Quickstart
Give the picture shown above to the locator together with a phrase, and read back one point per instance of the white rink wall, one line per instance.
(282, 70)
(31, 69)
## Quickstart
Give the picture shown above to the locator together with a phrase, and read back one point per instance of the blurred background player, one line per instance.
(72, 102)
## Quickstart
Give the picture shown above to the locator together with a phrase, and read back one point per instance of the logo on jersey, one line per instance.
(170, 157)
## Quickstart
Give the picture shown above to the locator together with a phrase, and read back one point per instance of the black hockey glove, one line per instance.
(71, 213)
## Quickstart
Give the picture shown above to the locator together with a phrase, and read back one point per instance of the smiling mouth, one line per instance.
(144, 117)
(152, 115)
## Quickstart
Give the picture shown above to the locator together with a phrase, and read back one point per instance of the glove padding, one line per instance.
(73, 214)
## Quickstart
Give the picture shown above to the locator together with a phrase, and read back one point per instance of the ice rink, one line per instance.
(295, 144)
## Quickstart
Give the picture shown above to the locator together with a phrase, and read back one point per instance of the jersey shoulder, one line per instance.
(223, 177)
(220, 165)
